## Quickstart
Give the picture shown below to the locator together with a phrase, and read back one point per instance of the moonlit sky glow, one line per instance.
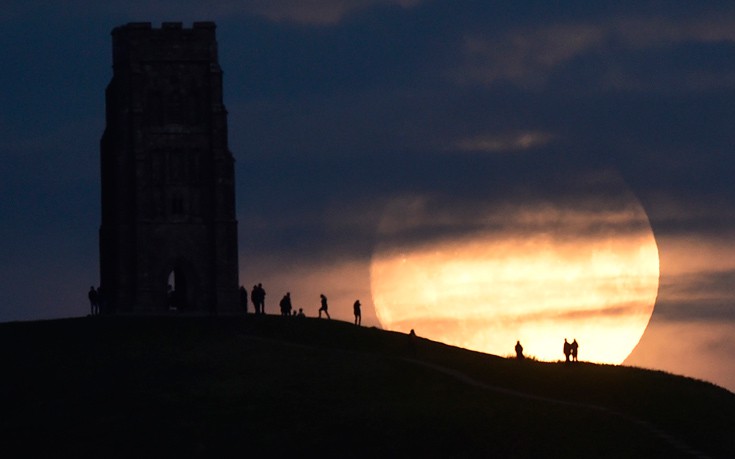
(495, 286)
(523, 127)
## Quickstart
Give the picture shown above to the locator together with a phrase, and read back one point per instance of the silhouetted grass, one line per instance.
(124, 387)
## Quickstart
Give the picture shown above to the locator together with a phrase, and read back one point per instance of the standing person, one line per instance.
(358, 314)
(261, 298)
(519, 351)
(567, 349)
(573, 349)
(94, 304)
(324, 306)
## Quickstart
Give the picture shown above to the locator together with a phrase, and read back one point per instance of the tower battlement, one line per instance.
(140, 41)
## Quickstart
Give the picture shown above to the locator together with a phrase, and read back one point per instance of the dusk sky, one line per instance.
(344, 113)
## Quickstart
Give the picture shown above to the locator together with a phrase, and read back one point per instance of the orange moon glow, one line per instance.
(537, 274)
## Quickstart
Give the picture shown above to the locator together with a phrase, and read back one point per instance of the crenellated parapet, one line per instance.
(140, 41)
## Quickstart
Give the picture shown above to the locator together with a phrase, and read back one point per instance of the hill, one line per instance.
(134, 386)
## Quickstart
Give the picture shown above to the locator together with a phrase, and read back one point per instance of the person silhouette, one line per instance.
(324, 306)
(94, 304)
(261, 298)
(358, 313)
(519, 351)
(573, 349)
(567, 349)
(285, 304)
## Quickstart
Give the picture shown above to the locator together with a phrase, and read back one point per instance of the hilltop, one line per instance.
(132, 386)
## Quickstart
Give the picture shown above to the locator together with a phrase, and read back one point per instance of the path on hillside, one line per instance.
(674, 442)
(671, 440)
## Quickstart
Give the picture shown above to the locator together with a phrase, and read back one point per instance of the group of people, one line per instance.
(570, 350)
(257, 297)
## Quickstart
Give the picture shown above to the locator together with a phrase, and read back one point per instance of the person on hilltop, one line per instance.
(519, 351)
(94, 304)
(567, 349)
(324, 306)
(358, 313)
(573, 350)
(257, 296)
(285, 304)
(261, 298)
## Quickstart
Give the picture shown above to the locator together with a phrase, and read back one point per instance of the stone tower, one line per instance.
(168, 239)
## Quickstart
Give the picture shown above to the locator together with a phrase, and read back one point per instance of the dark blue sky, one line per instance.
(337, 107)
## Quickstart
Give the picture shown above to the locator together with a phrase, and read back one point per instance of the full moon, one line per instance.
(536, 273)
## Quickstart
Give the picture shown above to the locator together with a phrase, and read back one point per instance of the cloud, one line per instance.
(526, 56)
(583, 207)
(507, 142)
(317, 12)
(529, 56)
(639, 32)
(697, 276)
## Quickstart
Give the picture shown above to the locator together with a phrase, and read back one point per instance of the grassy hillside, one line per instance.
(123, 387)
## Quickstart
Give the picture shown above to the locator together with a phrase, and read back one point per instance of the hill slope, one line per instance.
(120, 387)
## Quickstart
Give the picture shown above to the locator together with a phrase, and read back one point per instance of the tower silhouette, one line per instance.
(168, 239)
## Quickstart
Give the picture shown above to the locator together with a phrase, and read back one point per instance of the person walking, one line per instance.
(324, 306)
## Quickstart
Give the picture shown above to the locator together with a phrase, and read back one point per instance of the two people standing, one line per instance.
(95, 300)
(257, 296)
